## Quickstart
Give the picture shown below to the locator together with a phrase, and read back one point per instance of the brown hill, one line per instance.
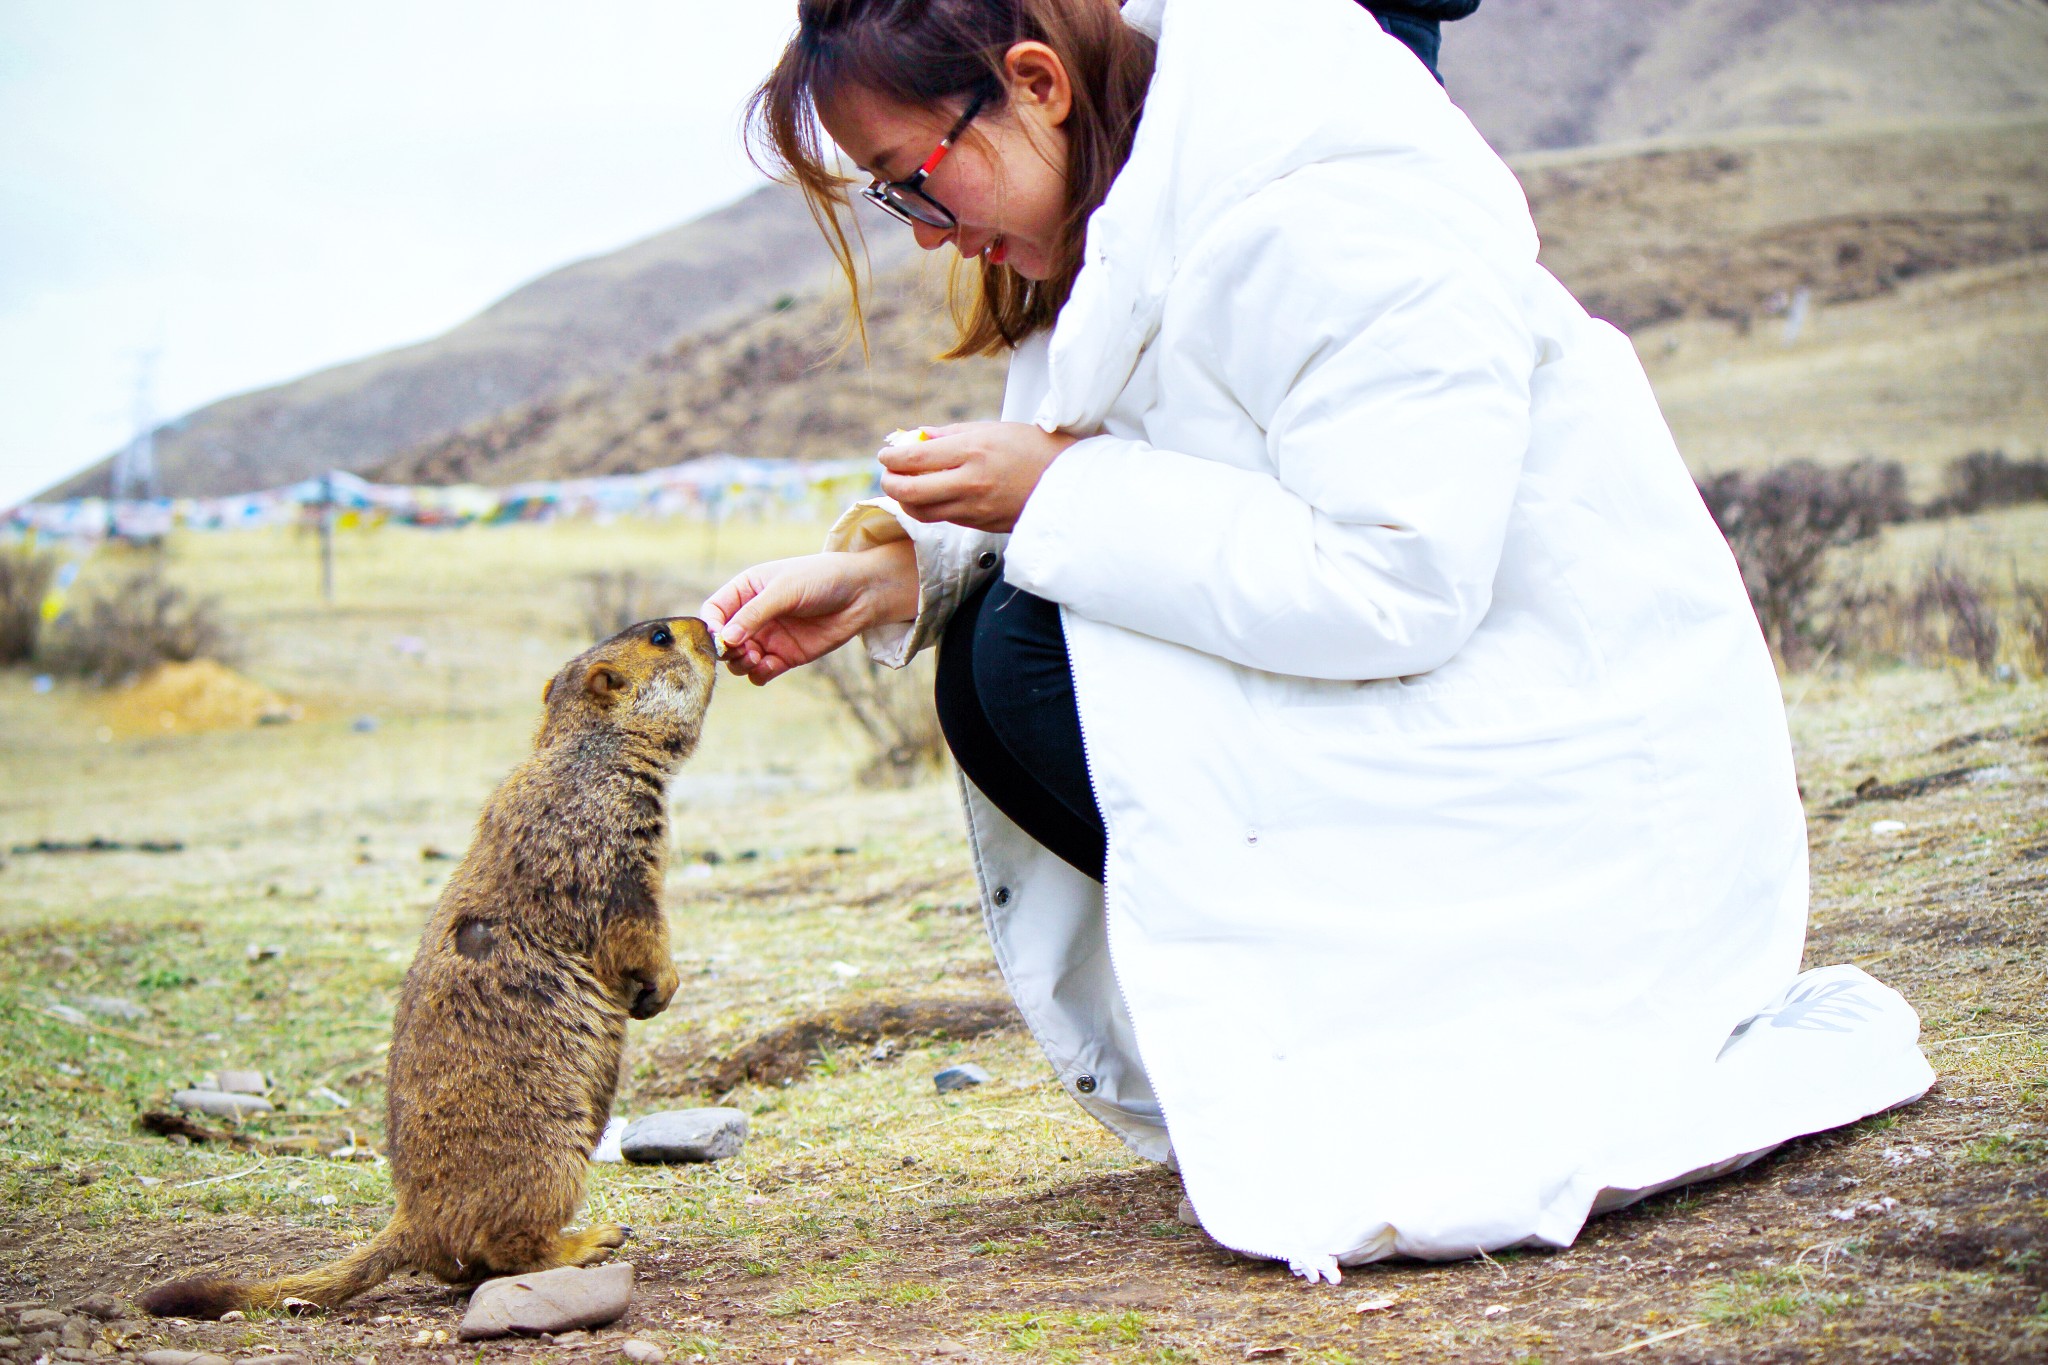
(1722, 233)
(1538, 74)
(594, 317)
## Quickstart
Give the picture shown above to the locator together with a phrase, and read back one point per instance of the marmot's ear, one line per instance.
(547, 689)
(604, 682)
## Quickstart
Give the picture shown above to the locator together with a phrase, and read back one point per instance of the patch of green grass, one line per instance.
(2005, 1149)
(1066, 1335)
(1168, 1227)
(1761, 1297)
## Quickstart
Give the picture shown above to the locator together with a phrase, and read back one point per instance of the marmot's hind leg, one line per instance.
(592, 1245)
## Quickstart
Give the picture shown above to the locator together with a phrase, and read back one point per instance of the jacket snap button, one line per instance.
(987, 559)
(1002, 896)
(1085, 1084)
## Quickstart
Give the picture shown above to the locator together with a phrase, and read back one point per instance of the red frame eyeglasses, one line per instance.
(906, 200)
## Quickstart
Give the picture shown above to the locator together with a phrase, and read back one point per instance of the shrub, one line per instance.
(1781, 523)
(1959, 610)
(894, 708)
(1986, 478)
(24, 583)
(611, 601)
(120, 633)
(2032, 601)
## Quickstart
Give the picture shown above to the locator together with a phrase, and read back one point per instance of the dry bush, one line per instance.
(1986, 478)
(24, 583)
(1959, 614)
(895, 710)
(121, 632)
(1781, 524)
(2031, 603)
(612, 600)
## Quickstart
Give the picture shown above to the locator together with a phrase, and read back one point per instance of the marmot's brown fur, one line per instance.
(506, 1044)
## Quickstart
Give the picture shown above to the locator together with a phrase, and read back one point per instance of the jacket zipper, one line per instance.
(1327, 1268)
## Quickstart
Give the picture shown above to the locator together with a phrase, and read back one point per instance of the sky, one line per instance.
(199, 197)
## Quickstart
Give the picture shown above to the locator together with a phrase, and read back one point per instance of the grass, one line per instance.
(870, 1217)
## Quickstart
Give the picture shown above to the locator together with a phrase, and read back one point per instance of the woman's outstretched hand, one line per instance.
(977, 474)
(783, 614)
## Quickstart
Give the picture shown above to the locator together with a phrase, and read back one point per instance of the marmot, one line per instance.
(506, 1044)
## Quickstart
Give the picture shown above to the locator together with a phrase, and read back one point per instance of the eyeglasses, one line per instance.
(905, 200)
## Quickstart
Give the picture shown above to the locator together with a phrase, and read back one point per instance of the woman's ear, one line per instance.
(604, 683)
(1039, 83)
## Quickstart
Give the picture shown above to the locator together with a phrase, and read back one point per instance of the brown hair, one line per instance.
(939, 54)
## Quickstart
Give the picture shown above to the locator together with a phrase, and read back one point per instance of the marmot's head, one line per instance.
(653, 679)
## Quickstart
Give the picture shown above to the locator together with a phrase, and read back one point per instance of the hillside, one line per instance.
(1537, 74)
(1927, 224)
(594, 317)
(1534, 74)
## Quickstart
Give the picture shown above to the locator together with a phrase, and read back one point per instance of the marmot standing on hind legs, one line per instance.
(506, 1044)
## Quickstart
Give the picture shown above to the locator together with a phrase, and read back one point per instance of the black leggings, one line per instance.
(1006, 704)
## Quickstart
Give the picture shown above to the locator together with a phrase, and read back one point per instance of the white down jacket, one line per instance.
(1457, 874)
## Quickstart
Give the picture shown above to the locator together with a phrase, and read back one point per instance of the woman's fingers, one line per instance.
(926, 456)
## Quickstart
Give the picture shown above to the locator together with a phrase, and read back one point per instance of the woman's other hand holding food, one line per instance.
(788, 612)
(977, 474)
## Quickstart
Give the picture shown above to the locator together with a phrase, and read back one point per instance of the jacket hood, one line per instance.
(1241, 96)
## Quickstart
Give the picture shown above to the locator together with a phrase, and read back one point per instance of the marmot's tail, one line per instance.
(364, 1268)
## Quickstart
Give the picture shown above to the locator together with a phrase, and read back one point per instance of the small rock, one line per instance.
(362, 1360)
(274, 1358)
(105, 1307)
(241, 1082)
(642, 1352)
(234, 1315)
(74, 1334)
(333, 1097)
(570, 1338)
(182, 1358)
(9, 1343)
(607, 1148)
(261, 952)
(69, 1015)
(45, 1340)
(114, 1007)
(684, 1135)
(80, 1354)
(1186, 1213)
(36, 1319)
(549, 1301)
(1887, 826)
(960, 1077)
(220, 1103)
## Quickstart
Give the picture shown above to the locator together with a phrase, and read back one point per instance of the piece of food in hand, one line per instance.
(899, 438)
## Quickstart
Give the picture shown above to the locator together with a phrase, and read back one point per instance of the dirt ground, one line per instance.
(869, 1218)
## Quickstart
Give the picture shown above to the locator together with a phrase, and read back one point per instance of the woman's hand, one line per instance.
(783, 614)
(978, 474)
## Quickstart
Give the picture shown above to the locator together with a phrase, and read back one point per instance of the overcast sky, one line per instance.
(251, 189)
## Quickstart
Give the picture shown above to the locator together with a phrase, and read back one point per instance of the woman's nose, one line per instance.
(930, 238)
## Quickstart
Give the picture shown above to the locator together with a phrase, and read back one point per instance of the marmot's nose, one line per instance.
(698, 632)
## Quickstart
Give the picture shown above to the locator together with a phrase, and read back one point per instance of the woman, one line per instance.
(1447, 879)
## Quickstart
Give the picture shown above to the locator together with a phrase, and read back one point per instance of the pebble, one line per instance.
(684, 1135)
(275, 1358)
(960, 1077)
(105, 1307)
(241, 1082)
(36, 1319)
(182, 1358)
(642, 1352)
(1888, 827)
(220, 1103)
(556, 1301)
(74, 1334)
(114, 1007)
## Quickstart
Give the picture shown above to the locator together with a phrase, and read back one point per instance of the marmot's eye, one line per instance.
(661, 638)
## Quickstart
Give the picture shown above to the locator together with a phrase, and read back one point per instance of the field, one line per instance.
(869, 1217)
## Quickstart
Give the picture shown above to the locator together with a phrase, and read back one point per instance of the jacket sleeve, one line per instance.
(952, 561)
(1390, 372)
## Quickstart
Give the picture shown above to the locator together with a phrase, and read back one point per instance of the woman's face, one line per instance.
(1005, 178)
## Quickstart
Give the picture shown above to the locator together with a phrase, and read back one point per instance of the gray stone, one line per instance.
(684, 1135)
(75, 1335)
(36, 1319)
(182, 1358)
(9, 1343)
(76, 1353)
(560, 1300)
(114, 1007)
(105, 1307)
(959, 1077)
(274, 1358)
(241, 1082)
(220, 1103)
(642, 1352)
